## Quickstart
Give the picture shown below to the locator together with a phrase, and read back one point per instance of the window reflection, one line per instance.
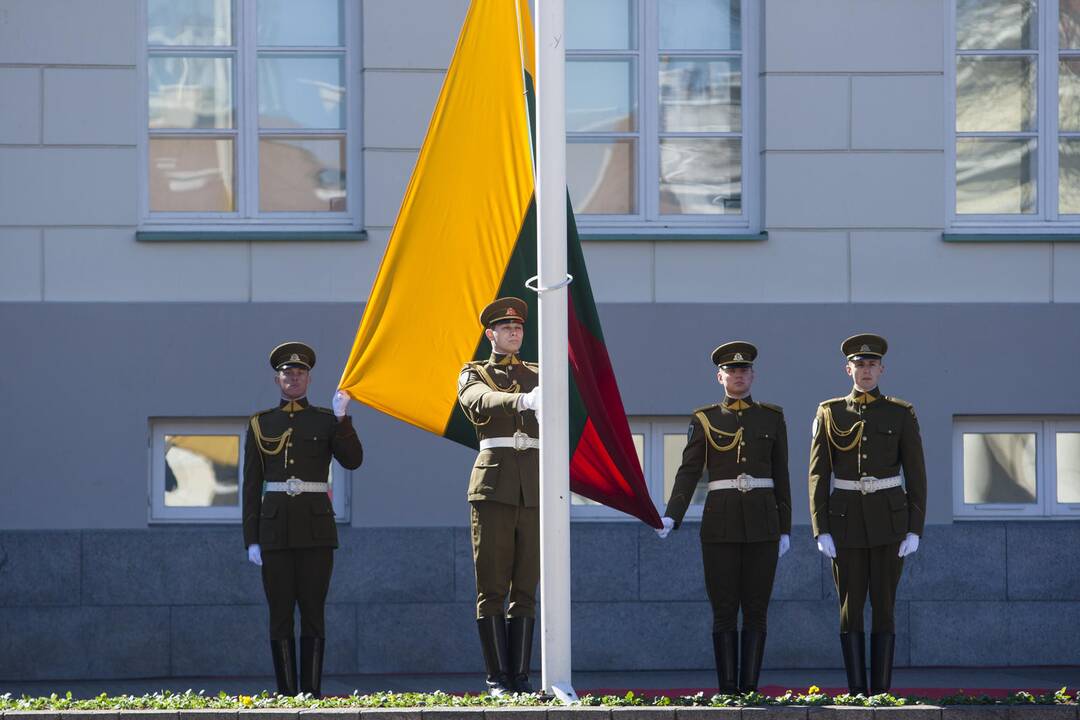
(189, 174)
(600, 175)
(190, 92)
(301, 175)
(700, 176)
(999, 468)
(202, 470)
(189, 22)
(1068, 467)
(996, 25)
(310, 23)
(301, 92)
(700, 95)
(995, 176)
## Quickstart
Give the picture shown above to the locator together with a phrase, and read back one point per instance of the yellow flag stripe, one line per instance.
(456, 228)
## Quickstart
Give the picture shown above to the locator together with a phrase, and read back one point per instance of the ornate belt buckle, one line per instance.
(742, 483)
(521, 440)
(293, 486)
(865, 481)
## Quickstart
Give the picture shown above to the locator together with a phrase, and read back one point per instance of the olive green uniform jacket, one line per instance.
(488, 392)
(298, 443)
(729, 442)
(867, 435)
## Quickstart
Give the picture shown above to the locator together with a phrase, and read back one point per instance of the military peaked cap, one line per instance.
(507, 309)
(864, 345)
(738, 353)
(292, 354)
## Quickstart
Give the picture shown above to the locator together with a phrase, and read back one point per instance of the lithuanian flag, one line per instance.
(466, 235)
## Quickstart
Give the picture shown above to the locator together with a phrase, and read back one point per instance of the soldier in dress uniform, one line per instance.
(746, 521)
(870, 518)
(501, 397)
(289, 526)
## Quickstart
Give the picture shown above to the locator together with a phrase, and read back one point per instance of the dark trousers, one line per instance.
(861, 571)
(739, 575)
(297, 577)
(506, 557)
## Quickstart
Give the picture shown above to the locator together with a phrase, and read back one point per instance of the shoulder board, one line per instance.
(263, 412)
(842, 398)
(774, 408)
(534, 366)
(328, 411)
(898, 401)
(703, 408)
(472, 364)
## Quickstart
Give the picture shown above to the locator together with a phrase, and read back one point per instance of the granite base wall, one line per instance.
(184, 601)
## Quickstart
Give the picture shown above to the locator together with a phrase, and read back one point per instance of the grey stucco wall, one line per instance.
(82, 381)
(174, 601)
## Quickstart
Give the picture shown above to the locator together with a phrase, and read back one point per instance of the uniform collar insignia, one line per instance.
(293, 405)
(734, 404)
(865, 398)
(500, 359)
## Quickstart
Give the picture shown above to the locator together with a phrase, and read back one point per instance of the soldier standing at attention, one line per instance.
(746, 521)
(866, 522)
(501, 397)
(289, 526)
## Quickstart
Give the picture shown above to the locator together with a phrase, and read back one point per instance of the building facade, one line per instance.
(183, 185)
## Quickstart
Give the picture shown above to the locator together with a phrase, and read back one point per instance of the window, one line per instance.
(250, 113)
(660, 443)
(658, 116)
(197, 470)
(1016, 467)
(1016, 153)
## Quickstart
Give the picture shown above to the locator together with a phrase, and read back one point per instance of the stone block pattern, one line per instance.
(182, 601)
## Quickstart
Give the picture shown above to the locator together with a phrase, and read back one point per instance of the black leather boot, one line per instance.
(725, 648)
(311, 664)
(881, 659)
(284, 654)
(753, 650)
(853, 645)
(496, 656)
(521, 641)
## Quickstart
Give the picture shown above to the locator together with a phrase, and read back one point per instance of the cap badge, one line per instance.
(511, 311)
(294, 358)
(738, 357)
(864, 348)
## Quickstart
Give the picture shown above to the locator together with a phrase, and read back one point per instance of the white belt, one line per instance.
(868, 484)
(520, 441)
(743, 483)
(295, 486)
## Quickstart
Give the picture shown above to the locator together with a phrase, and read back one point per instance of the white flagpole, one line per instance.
(554, 381)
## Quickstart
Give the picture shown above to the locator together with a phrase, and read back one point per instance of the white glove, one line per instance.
(530, 400)
(340, 403)
(908, 545)
(669, 524)
(255, 554)
(826, 546)
(785, 545)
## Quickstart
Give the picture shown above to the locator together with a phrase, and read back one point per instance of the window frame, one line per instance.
(160, 514)
(648, 220)
(1046, 219)
(247, 133)
(1045, 429)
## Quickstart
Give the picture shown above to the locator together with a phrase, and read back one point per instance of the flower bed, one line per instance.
(810, 702)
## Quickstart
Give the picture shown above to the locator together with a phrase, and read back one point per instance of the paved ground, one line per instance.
(920, 680)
